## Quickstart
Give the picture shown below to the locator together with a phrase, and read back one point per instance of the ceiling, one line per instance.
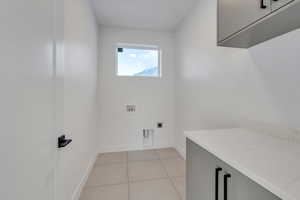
(159, 15)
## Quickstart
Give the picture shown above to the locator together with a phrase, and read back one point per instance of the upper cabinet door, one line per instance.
(234, 15)
(276, 4)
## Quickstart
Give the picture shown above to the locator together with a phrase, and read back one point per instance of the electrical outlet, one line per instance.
(160, 125)
(130, 108)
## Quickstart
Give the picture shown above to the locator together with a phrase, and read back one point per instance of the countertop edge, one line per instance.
(248, 173)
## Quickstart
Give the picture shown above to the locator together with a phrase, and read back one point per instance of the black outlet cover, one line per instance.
(159, 125)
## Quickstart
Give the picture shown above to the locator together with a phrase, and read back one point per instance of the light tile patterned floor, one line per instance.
(137, 175)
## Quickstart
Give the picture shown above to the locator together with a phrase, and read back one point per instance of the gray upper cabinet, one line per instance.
(234, 15)
(245, 23)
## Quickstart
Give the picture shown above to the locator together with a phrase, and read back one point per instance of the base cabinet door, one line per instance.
(200, 173)
(206, 182)
(240, 187)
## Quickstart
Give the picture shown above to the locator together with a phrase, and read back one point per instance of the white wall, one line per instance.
(225, 87)
(153, 97)
(80, 96)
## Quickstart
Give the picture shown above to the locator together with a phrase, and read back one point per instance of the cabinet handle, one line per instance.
(226, 177)
(217, 183)
(262, 4)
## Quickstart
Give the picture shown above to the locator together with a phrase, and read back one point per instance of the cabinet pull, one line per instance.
(226, 177)
(262, 4)
(217, 183)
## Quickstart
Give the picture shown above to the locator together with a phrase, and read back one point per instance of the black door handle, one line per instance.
(218, 169)
(262, 4)
(226, 177)
(63, 142)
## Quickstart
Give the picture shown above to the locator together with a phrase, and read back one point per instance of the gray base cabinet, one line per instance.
(209, 178)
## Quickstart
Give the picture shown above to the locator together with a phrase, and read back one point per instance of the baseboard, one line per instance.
(80, 186)
(181, 150)
(126, 148)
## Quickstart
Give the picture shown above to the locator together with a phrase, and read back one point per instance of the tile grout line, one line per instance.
(134, 181)
(110, 164)
(170, 178)
(105, 185)
(152, 160)
(149, 180)
(159, 159)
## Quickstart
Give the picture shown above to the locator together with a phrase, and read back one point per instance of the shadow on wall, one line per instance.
(279, 66)
(220, 87)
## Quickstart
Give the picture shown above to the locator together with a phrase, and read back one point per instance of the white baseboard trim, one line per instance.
(120, 149)
(80, 186)
(181, 150)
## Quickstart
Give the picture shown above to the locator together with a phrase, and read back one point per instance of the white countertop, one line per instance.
(273, 162)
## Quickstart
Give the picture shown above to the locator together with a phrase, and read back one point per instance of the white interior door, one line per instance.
(27, 100)
(60, 182)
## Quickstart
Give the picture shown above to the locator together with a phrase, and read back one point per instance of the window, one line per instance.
(138, 61)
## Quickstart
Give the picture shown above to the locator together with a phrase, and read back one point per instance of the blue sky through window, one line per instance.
(138, 62)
